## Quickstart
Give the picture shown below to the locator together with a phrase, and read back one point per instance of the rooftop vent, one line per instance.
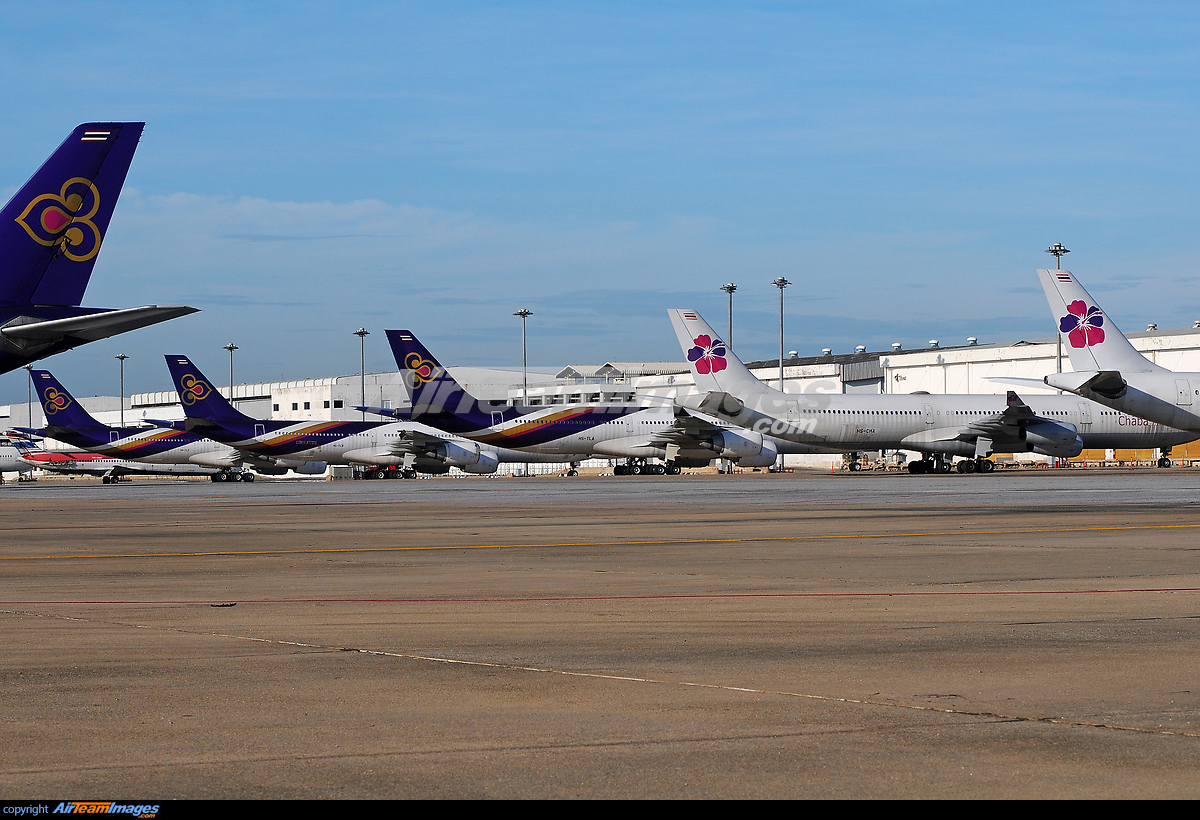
(1152, 326)
(971, 340)
(933, 342)
(793, 354)
(825, 351)
(897, 345)
(860, 348)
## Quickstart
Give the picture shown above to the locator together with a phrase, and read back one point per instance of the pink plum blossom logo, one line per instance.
(1082, 324)
(708, 354)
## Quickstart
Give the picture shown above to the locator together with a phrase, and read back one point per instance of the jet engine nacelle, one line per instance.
(461, 454)
(1068, 451)
(742, 444)
(486, 465)
(303, 467)
(1051, 434)
(765, 458)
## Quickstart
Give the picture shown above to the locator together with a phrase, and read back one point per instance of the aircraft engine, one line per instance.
(741, 444)
(461, 454)
(487, 463)
(303, 467)
(765, 458)
(1050, 434)
(1068, 451)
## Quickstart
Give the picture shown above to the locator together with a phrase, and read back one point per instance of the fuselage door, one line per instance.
(1085, 417)
(497, 418)
(113, 435)
(260, 430)
(1183, 393)
(929, 414)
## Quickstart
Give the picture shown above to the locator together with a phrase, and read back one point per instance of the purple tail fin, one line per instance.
(200, 399)
(51, 230)
(60, 407)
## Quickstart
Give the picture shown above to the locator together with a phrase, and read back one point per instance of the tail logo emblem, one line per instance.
(55, 401)
(708, 354)
(1082, 324)
(64, 220)
(193, 389)
(420, 370)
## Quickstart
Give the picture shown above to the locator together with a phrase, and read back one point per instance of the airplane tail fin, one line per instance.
(199, 398)
(1092, 340)
(61, 408)
(714, 366)
(431, 388)
(51, 230)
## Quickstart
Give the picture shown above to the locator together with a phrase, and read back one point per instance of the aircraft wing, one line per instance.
(91, 326)
(414, 442)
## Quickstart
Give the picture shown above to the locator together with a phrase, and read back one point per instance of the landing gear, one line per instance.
(247, 477)
(986, 465)
(966, 466)
(1164, 462)
(572, 472)
(219, 477)
(639, 466)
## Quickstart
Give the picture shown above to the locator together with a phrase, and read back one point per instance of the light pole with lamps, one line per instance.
(121, 357)
(780, 283)
(1057, 251)
(729, 288)
(231, 347)
(29, 398)
(524, 313)
(362, 333)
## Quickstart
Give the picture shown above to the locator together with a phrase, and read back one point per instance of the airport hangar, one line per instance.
(967, 368)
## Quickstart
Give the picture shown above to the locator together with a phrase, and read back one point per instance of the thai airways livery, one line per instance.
(636, 433)
(938, 426)
(1110, 370)
(50, 234)
(67, 421)
(412, 447)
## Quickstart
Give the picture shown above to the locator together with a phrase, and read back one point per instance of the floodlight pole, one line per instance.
(29, 398)
(524, 313)
(231, 347)
(780, 283)
(362, 333)
(121, 357)
(1057, 250)
(729, 288)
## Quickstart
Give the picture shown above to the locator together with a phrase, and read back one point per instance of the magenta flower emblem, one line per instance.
(1082, 324)
(708, 354)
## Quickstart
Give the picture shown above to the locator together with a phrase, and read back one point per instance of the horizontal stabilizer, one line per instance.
(92, 326)
(1108, 383)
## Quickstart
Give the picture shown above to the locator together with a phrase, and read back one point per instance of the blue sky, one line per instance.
(310, 168)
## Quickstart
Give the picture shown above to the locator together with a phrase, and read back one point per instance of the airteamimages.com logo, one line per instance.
(80, 807)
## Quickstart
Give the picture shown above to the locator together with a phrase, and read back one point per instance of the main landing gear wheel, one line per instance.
(1164, 462)
(572, 473)
(966, 466)
(381, 473)
(247, 477)
(855, 466)
(674, 469)
(986, 466)
(219, 477)
(635, 469)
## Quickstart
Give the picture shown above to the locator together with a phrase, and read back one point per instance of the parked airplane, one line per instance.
(68, 422)
(636, 433)
(939, 426)
(10, 459)
(411, 447)
(110, 470)
(50, 234)
(1110, 370)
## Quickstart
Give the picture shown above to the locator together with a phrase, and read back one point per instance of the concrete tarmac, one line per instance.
(1008, 635)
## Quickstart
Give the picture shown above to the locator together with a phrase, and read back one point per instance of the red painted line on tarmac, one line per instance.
(562, 599)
